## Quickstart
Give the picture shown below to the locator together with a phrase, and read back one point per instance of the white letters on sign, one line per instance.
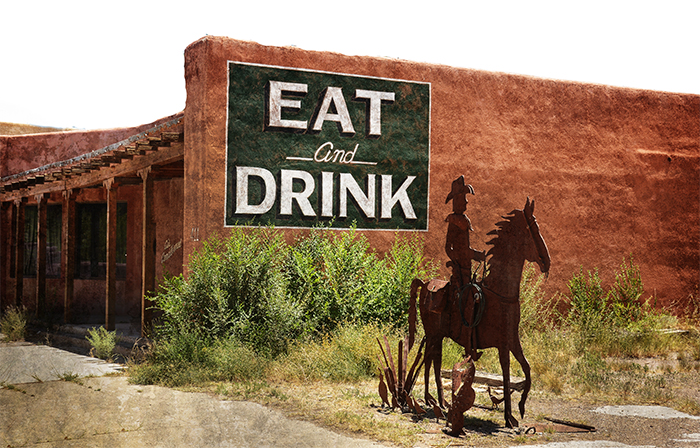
(375, 108)
(242, 180)
(334, 95)
(348, 186)
(277, 102)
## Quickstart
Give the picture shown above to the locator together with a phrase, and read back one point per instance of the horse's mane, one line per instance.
(504, 232)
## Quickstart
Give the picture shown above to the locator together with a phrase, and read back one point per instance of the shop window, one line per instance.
(91, 241)
(53, 240)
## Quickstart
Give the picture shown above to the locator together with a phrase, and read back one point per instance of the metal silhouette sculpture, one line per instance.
(480, 314)
(399, 378)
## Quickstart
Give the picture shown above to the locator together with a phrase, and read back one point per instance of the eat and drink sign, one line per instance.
(305, 147)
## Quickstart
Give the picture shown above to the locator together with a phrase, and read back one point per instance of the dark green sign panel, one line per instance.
(305, 147)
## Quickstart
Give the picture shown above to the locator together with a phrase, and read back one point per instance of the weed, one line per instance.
(70, 377)
(14, 323)
(521, 439)
(4, 385)
(102, 341)
(536, 312)
(688, 406)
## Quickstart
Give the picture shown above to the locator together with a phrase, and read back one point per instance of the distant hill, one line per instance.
(21, 129)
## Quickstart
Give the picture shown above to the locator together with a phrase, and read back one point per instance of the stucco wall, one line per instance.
(613, 171)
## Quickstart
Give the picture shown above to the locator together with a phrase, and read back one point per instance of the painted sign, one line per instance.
(305, 147)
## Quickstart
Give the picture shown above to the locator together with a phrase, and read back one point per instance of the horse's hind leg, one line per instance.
(525, 365)
(504, 358)
(437, 369)
(433, 357)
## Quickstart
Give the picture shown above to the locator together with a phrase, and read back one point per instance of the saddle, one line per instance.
(437, 295)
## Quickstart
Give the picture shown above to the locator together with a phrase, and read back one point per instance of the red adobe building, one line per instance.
(92, 220)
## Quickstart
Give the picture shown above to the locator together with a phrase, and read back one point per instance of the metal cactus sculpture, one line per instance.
(478, 314)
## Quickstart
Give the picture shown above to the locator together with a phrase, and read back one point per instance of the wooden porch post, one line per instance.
(19, 251)
(148, 250)
(6, 237)
(111, 281)
(5, 241)
(68, 252)
(41, 206)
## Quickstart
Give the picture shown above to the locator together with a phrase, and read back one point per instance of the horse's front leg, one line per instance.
(520, 357)
(504, 358)
(437, 369)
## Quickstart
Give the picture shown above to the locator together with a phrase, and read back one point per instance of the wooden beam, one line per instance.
(71, 181)
(111, 280)
(68, 252)
(173, 136)
(148, 251)
(41, 206)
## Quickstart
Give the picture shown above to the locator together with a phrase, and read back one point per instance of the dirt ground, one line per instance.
(349, 410)
(484, 426)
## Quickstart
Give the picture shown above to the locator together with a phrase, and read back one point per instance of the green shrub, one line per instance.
(14, 324)
(588, 303)
(102, 341)
(335, 278)
(235, 289)
(249, 296)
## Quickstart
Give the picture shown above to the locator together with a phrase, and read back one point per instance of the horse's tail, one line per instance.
(412, 313)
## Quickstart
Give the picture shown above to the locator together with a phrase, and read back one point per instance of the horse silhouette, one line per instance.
(483, 314)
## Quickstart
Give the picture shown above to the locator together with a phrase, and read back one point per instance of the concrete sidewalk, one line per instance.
(110, 412)
(22, 362)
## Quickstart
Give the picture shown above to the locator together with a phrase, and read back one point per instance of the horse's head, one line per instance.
(537, 252)
(518, 238)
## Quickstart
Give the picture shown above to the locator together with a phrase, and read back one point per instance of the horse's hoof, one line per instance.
(511, 422)
(452, 432)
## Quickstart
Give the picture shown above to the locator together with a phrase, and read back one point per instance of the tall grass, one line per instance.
(349, 353)
(574, 350)
(617, 322)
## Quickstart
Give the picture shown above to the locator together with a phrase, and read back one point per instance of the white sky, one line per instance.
(93, 64)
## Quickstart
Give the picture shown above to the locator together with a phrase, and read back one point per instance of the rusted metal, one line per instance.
(578, 426)
(494, 400)
(478, 313)
(399, 383)
(463, 395)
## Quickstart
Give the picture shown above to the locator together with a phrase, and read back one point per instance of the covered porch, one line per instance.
(84, 240)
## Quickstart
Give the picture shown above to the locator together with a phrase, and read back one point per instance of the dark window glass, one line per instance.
(53, 240)
(91, 241)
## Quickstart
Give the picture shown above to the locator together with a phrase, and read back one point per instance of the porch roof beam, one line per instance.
(164, 155)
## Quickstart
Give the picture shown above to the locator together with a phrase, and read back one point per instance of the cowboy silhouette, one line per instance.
(457, 240)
